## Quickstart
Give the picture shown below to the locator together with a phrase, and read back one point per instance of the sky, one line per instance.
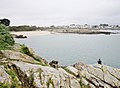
(60, 12)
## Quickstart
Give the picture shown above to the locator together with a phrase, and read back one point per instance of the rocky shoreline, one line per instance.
(27, 70)
(20, 67)
(81, 31)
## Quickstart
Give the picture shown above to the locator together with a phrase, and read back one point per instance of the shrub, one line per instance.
(25, 50)
(6, 38)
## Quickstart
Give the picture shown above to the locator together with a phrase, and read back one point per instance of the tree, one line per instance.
(5, 21)
(104, 25)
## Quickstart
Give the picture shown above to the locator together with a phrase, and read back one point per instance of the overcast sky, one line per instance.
(60, 12)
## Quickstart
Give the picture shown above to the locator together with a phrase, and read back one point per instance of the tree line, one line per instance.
(25, 28)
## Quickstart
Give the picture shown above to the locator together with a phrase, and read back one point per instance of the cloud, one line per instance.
(41, 12)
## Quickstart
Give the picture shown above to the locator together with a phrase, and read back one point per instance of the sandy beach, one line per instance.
(31, 33)
(56, 31)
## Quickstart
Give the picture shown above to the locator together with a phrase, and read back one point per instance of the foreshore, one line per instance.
(82, 31)
(25, 34)
(31, 33)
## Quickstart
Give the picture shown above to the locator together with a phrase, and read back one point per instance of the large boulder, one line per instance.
(97, 76)
(47, 77)
(16, 56)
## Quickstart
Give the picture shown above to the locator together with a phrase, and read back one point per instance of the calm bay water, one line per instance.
(71, 48)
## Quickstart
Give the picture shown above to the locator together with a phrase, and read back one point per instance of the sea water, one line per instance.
(72, 48)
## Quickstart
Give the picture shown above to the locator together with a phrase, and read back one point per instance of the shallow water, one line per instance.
(71, 48)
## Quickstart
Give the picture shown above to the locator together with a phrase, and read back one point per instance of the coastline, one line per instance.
(56, 31)
(31, 33)
(20, 67)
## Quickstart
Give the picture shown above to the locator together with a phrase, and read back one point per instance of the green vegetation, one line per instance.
(68, 71)
(6, 38)
(31, 79)
(3, 85)
(24, 49)
(50, 81)
(5, 22)
(25, 28)
(40, 72)
(83, 85)
(26, 81)
(14, 81)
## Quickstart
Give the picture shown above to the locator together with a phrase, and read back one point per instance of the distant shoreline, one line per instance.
(54, 31)
(31, 33)
(82, 31)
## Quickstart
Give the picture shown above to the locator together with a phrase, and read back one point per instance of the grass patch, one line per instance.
(50, 81)
(40, 72)
(14, 81)
(24, 49)
(4, 85)
(69, 71)
(83, 85)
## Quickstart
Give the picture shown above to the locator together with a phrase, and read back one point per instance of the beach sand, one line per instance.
(31, 33)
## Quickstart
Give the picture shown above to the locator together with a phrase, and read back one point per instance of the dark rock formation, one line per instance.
(20, 36)
(54, 64)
